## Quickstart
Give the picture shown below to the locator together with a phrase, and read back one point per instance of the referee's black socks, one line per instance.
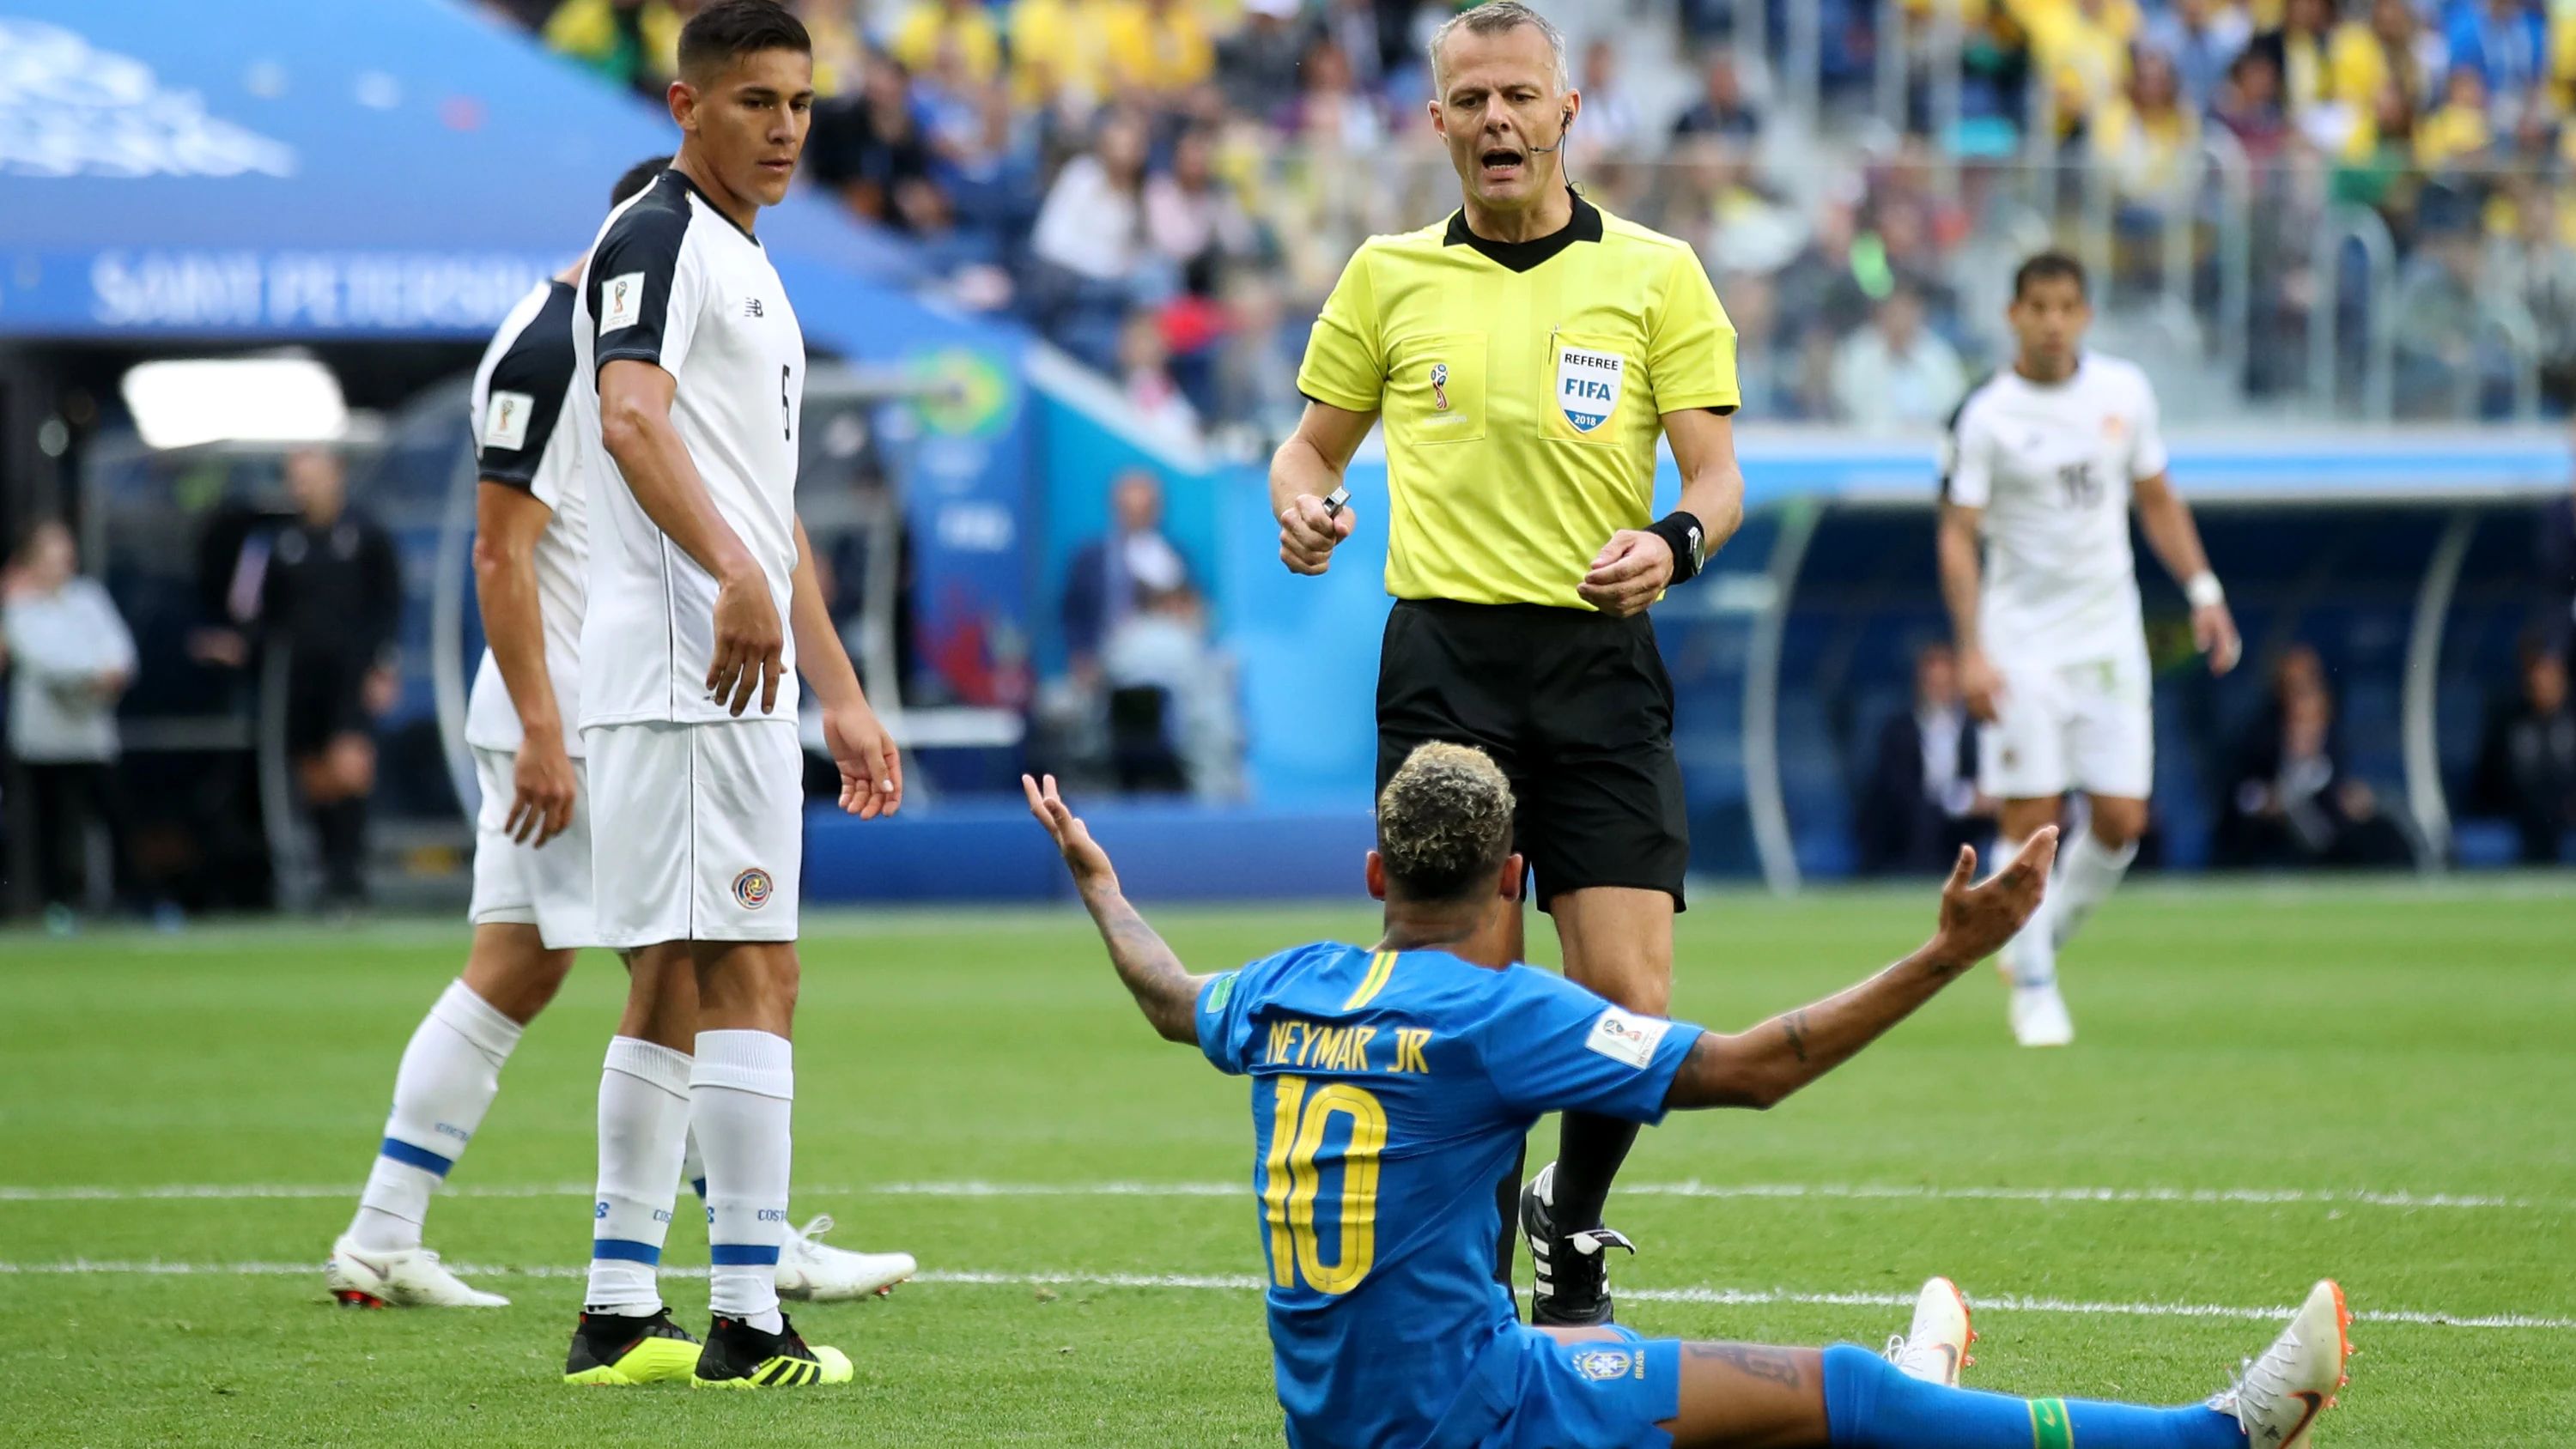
(1507, 1213)
(1588, 1153)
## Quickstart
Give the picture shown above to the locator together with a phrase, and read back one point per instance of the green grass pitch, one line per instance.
(2372, 1080)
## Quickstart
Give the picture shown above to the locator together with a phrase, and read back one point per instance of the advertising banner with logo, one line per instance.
(405, 169)
(269, 168)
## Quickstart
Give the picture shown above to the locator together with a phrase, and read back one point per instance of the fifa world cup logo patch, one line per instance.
(1440, 387)
(751, 889)
(621, 302)
(506, 426)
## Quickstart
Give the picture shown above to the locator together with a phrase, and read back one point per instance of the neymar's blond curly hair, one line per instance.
(1444, 823)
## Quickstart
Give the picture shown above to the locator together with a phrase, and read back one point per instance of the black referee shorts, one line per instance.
(1576, 708)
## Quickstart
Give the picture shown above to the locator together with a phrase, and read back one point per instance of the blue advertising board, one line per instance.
(404, 168)
(282, 170)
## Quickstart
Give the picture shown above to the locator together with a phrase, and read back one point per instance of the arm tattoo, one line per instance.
(1164, 989)
(1794, 1027)
(1775, 1365)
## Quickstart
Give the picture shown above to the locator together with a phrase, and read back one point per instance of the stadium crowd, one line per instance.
(1167, 187)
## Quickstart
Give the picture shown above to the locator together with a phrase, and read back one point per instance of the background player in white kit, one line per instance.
(691, 370)
(531, 905)
(2044, 460)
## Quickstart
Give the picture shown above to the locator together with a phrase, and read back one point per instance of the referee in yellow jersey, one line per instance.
(1523, 354)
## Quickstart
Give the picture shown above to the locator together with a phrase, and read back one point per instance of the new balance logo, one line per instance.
(751, 308)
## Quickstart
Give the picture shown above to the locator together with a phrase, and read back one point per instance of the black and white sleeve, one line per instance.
(644, 284)
(526, 396)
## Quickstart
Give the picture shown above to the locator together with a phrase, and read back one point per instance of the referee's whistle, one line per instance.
(1336, 500)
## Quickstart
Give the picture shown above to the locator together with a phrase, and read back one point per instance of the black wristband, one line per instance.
(1689, 541)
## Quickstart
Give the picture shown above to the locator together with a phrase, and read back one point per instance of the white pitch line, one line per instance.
(2362, 1197)
(233, 1190)
(2358, 1197)
(1246, 1283)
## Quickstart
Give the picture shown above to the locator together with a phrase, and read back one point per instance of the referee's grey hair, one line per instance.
(1444, 823)
(1500, 17)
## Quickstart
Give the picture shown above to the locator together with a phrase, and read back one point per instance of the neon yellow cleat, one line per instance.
(612, 1350)
(739, 1356)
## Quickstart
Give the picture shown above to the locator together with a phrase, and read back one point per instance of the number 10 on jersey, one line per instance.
(1291, 1179)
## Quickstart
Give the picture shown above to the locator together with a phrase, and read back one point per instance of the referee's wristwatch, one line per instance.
(1689, 542)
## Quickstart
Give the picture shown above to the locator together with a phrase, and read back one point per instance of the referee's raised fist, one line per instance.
(1307, 532)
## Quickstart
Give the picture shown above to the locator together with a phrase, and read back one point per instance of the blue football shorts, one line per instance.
(1602, 1394)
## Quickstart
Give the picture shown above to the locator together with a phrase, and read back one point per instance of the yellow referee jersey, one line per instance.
(1522, 386)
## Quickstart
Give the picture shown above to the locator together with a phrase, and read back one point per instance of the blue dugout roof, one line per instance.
(305, 169)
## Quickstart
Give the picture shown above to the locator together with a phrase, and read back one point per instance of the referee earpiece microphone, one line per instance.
(1564, 124)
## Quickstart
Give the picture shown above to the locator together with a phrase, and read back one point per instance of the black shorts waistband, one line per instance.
(1554, 616)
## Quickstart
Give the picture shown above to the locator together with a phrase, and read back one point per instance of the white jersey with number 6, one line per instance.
(2051, 466)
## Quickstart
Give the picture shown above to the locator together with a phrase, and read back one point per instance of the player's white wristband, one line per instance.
(2203, 590)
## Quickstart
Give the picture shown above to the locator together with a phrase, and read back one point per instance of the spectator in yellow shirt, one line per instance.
(1060, 52)
(2367, 55)
(1159, 46)
(2560, 62)
(964, 27)
(2305, 81)
(2145, 135)
(2458, 129)
(2083, 47)
(632, 42)
(840, 56)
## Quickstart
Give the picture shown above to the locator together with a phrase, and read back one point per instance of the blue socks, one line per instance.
(1870, 1405)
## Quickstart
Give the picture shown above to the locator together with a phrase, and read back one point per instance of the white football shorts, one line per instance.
(2087, 725)
(546, 886)
(698, 830)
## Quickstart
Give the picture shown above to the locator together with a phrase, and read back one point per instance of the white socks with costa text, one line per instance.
(2086, 876)
(449, 1074)
(643, 1133)
(742, 1091)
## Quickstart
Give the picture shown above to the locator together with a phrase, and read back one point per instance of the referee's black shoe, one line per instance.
(1572, 1288)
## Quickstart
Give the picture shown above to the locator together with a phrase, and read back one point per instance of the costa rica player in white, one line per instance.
(531, 905)
(702, 599)
(531, 902)
(2044, 462)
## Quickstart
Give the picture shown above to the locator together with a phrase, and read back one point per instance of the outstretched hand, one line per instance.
(1976, 920)
(1082, 854)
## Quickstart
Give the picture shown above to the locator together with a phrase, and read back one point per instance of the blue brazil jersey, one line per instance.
(1390, 1092)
